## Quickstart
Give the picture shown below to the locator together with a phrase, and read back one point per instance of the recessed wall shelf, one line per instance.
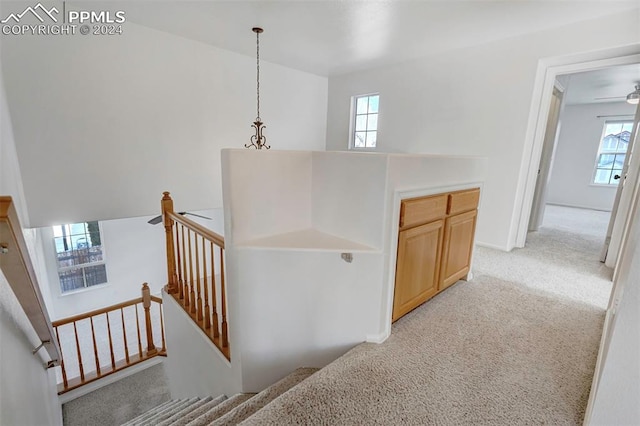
(306, 239)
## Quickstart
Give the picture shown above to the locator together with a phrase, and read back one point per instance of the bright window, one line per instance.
(365, 121)
(612, 152)
(79, 255)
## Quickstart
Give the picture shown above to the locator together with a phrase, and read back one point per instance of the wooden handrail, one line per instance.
(191, 276)
(195, 226)
(90, 368)
(17, 268)
(86, 315)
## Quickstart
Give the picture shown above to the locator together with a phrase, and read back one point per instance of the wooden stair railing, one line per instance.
(194, 255)
(17, 268)
(101, 342)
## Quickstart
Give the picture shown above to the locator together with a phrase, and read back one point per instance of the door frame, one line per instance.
(546, 157)
(548, 70)
(616, 231)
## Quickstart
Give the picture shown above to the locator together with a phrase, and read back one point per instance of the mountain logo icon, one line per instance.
(38, 11)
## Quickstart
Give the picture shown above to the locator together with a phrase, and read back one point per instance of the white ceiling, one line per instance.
(335, 37)
(604, 85)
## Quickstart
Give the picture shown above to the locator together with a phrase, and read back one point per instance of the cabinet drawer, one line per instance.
(463, 201)
(417, 211)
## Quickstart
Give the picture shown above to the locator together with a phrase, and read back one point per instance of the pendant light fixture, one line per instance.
(634, 97)
(258, 140)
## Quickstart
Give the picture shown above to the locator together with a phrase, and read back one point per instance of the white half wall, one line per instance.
(575, 156)
(103, 125)
(299, 309)
(348, 191)
(194, 366)
(293, 299)
(472, 101)
(28, 394)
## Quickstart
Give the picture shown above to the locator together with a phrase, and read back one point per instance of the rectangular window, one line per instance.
(612, 152)
(79, 255)
(365, 121)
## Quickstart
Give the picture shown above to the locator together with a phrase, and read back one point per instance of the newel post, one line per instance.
(146, 304)
(172, 278)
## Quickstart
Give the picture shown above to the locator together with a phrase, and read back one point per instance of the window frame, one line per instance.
(81, 266)
(601, 152)
(352, 122)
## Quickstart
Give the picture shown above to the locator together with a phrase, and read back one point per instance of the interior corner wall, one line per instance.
(28, 392)
(104, 124)
(571, 178)
(471, 101)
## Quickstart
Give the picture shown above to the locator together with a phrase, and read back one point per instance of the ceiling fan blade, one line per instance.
(197, 215)
(611, 97)
(156, 220)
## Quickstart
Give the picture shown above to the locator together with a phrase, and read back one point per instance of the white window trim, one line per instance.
(83, 265)
(598, 153)
(352, 123)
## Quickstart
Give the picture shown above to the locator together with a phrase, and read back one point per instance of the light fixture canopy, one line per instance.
(634, 97)
(258, 140)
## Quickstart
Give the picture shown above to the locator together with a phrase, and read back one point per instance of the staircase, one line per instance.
(218, 411)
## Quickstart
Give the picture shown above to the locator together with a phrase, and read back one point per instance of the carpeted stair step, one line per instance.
(220, 410)
(255, 404)
(166, 413)
(184, 410)
(185, 416)
(151, 420)
(152, 412)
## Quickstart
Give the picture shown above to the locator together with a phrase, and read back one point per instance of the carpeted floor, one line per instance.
(119, 402)
(517, 345)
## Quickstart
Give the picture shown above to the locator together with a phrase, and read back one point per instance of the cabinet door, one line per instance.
(418, 266)
(458, 245)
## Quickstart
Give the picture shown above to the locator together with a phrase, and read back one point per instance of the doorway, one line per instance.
(587, 134)
(549, 70)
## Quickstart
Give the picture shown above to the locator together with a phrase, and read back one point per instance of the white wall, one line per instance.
(472, 101)
(356, 185)
(27, 391)
(134, 252)
(618, 392)
(195, 367)
(575, 156)
(105, 124)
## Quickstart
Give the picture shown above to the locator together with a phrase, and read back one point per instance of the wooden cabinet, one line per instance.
(435, 244)
(417, 211)
(419, 251)
(458, 245)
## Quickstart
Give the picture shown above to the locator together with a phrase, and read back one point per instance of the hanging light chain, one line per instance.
(258, 74)
(258, 140)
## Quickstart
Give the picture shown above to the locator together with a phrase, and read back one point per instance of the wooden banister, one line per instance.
(97, 312)
(167, 206)
(146, 304)
(17, 268)
(191, 273)
(87, 369)
(208, 234)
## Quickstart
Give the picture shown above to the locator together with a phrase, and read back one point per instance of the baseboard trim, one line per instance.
(376, 338)
(107, 380)
(492, 246)
(576, 206)
(606, 330)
